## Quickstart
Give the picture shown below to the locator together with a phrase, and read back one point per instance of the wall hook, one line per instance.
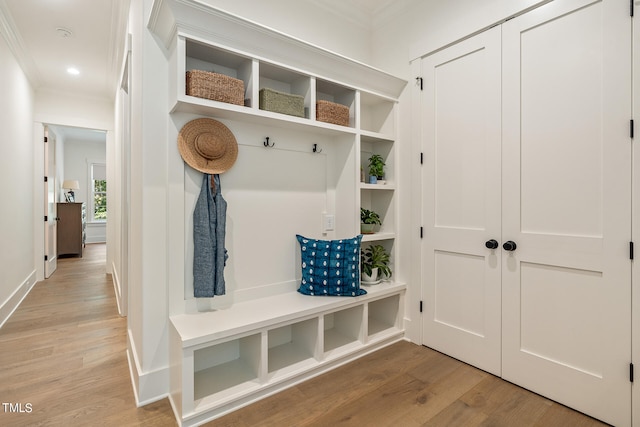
(315, 149)
(266, 143)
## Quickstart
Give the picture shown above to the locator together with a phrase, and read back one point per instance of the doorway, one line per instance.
(76, 172)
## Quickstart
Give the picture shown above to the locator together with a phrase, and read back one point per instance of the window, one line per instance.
(98, 204)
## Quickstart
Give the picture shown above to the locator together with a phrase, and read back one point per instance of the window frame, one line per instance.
(91, 199)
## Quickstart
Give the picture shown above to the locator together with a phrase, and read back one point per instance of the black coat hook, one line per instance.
(266, 143)
(315, 149)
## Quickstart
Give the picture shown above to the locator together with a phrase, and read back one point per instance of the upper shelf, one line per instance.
(205, 107)
(373, 115)
(169, 18)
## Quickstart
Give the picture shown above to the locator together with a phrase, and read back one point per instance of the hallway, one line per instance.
(63, 354)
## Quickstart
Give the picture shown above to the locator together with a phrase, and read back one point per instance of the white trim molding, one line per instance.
(13, 302)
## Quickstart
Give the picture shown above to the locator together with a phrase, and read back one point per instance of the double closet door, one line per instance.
(527, 203)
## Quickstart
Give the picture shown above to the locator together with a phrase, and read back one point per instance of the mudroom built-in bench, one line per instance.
(225, 359)
(301, 173)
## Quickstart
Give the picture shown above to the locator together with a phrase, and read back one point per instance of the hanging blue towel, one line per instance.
(209, 253)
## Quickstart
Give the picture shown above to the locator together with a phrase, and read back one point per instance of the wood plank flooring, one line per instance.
(63, 352)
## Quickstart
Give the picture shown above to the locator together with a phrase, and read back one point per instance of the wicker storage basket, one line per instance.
(217, 87)
(330, 112)
(279, 102)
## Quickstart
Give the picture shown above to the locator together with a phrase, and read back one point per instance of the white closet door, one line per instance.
(461, 205)
(567, 204)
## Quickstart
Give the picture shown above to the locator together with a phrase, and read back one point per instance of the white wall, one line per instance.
(311, 21)
(64, 108)
(17, 155)
(78, 156)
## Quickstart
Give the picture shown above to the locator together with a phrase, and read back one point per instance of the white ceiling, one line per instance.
(35, 31)
(49, 36)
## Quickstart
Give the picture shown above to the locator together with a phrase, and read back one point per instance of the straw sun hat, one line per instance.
(207, 146)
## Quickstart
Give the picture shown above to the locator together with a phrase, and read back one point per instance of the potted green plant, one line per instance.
(376, 168)
(374, 262)
(368, 220)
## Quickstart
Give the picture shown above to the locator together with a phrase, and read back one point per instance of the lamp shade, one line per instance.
(71, 184)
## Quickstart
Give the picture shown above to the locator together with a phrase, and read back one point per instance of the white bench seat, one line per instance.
(224, 359)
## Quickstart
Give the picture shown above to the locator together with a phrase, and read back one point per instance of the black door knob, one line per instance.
(509, 246)
(491, 244)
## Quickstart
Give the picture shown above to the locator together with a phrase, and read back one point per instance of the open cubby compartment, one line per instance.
(383, 316)
(292, 348)
(343, 330)
(227, 369)
(382, 203)
(202, 56)
(369, 146)
(377, 114)
(328, 91)
(287, 81)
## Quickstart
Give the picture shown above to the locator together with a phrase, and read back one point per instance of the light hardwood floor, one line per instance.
(63, 352)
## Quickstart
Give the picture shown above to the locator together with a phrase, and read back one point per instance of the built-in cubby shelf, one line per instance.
(371, 113)
(343, 330)
(232, 356)
(227, 368)
(382, 316)
(225, 358)
(292, 347)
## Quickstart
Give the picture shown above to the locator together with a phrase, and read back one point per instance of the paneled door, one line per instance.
(566, 288)
(461, 200)
(527, 203)
(51, 224)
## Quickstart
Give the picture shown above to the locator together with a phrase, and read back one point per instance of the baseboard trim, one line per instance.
(14, 301)
(146, 385)
(116, 288)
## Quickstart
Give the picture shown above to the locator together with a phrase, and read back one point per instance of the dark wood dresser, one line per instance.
(71, 228)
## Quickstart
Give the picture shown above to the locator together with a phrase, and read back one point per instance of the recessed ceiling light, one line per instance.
(64, 32)
(73, 71)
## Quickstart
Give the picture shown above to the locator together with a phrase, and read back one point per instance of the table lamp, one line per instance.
(70, 184)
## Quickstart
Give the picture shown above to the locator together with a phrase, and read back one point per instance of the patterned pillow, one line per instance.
(330, 267)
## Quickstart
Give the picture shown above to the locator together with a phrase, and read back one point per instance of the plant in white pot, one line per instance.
(376, 169)
(368, 220)
(374, 261)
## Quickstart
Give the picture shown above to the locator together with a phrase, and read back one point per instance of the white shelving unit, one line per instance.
(226, 358)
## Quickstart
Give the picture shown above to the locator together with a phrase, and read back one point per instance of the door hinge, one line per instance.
(631, 8)
(421, 232)
(46, 258)
(420, 82)
(631, 372)
(420, 306)
(46, 179)
(421, 158)
(631, 128)
(630, 250)
(46, 218)
(46, 139)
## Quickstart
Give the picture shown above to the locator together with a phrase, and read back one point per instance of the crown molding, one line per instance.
(389, 10)
(348, 11)
(16, 45)
(193, 18)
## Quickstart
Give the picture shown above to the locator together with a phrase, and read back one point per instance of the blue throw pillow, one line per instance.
(330, 267)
